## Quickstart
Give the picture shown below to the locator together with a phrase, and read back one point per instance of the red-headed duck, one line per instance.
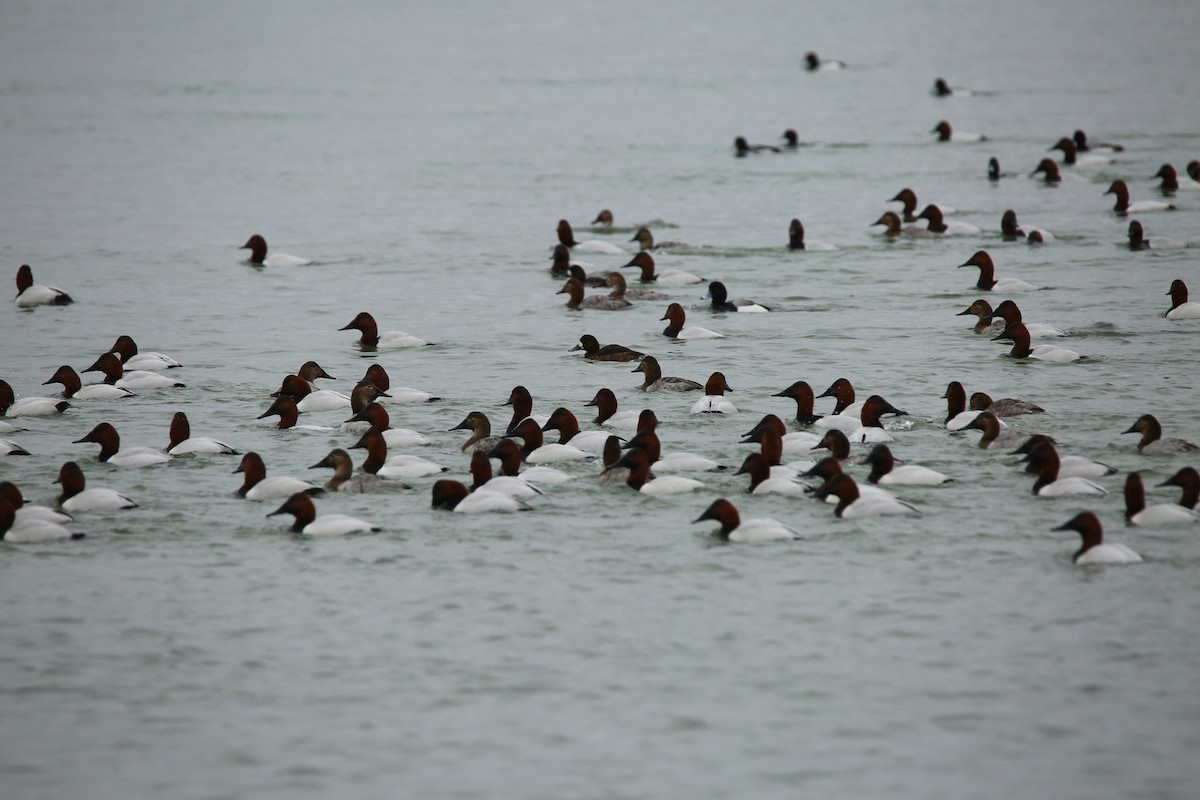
(308, 399)
(1122, 206)
(566, 237)
(74, 389)
(536, 451)
(126, 349)
(27, 512)
(1181, 307)
(311, 371)
(1138, 241)
(1187, 479)
(720, 300)
(754, 530)
(884, 470)
(774, 440)
(742, 148)
(616, 282)
(1048, 167)
(796, 239)
(958, 416)
(1193, 170)
(257, 246)
(994, 172)
(791, 140)
(1152, 442)
(647, 440)
(593, 351)
(802, 393)
(895, 230)
(645, 240)
(908, 198)
(30, 530)
(371, 339)
(257, 486)
(943, 89)
(610, 472)
(508, 453)
(595, 279)
(482, 479)
(302, 508)
(30, 294)
(344, 480)
(378, 462)
(183, 442)
(1094, 549)
(1171, 182)
(75, 495)
(853, 504)
(846, 411)
(284, 407)
(995, 435)
(604, 219)
(382, 387)
(481, 432)
(836, 442)
(1010, 230)
(522, 404)
(1068, 466)
(987, 276)
(1019, 335)
(762, 481)
(655, 382)
(453, 495)
(115, 374)
(1138, 513)
(1043, 461)
(947, 134)
(1010, 313)
(1071, 156)
(374, 415)
(666, 277)
(984, 324)
(642, 481)
(1085, 146)
(605, 403)
(678, 328)
(814, 63)
(560, 261)
(714, 400)
(573, 289)
(565, 422)
(1004, 407)
(109, 440)
(939, 225)
(872, 430)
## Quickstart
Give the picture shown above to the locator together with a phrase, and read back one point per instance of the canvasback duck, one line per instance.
(10, 448)
(995, 435)
(562, 265)
(522, 404)
(958, 416)
(1048, 167)
(566, 237)
(762, 481)
(451, 495)
(1004, 407)
(884, 470)
(645, 240)
(783, 441)
(109, 440)
(1084, 146)
(30, 294)
(382, 387)
(306, 521)
(640, 479)
(284, 407)
(1187, 479)
(666, 277)
(846, 414)
(308, 399)
(655, 382)
(943, 89)
(126, 349)
(1138, 513)
(796, 239)
(1010, 314)
(987, 276)
(742, 148)
(593, 351)
(1094, 549)
(482, 479)
(753, 530)
(829, 468)
(994, 172)
(604, 219)
(378, 462)
(565, 422)
(371, 339)
(908, 198)
(802, 393)
(605, 403)
(344, 480)
(1043, 461)
(894, 230)
(27, 512)
(938, 225)
(985, 323)
(678, 329)
(595, 279)
(720, 300)
(946, 134)
(853, 504)
(616, 282)
(508, 453)
(1138, 241)
(791, 140)
(714, 400)
(30, 530)
(75, 495)
(872, 427)
(311, 371)
(1123, 206)
(1068, 466)
(536, 451)
(1010, 230)
(183, 442)
(1152, 442)
(648, 441)
(74, 389)
(1181, 307)
(374, 415)
(257, 246)
(257, 486)
(8, 427)
(1193, 170)
(573, 289)
(115, 374)
(609, 471)
(481, 432)
(1171, 182)
(1019, 335)
(836, 442)
(813, 63)
(1071, 156)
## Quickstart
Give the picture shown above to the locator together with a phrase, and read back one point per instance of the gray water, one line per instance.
(599, 646)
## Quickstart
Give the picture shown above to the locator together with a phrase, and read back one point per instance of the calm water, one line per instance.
(600, 646)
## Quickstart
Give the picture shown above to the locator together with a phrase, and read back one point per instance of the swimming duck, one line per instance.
(908, 198)
(522, 403)
(616, 282)
(714, 400)
(115, 374)
(640, 479)
(748, 531)
(655, 382)
(605, 403)
(565, 422)
(1010, 230)
(1188, 479)
(791, 140)
(985, 323)
(742, 147)
(677, 329)
(1019, 334)
(666, 277)
(1010, 313)
(566, 237)
(645, 240)
(802, 393)
(126, 349)
(796, 238)
(257, 246)
(1084, 145)
(813, 63)
(1171, 182)
(1181, 307)
(374, 415)
(109, 440)
(987, 276)
(995, 435)
(1138, 513)
(343, 479)
(1152, 442)
(1094, 549)
(763, 482)
(883, 470)
(853, 504)
(943, 89)
(994, 172)
(30, 294)
(302, 508)
(32, 530)
(1004, 407)
(371, 339)
(183, 442)
(74, 389)
(257, 486)
(893, 228)
(576, 301)
(947, 134)
(938, 225)
(720, 300)
(536, 451)
(610, 352)
(482, 479)
(453, 496)
(75, 495)
(1072, 157)
(1068, 465)
(509, 455)
(481, 432)
(1138, 241)
(1123, 206)
(1043, 461)
(378, 462)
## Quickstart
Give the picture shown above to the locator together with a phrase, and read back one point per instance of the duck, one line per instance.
(535, 451)
(754, 530)
(1049, 353)
(714, 400)
(994, 172)
(30, 294)
(75, 495)
(720, 300)
(894, 230)
(775, 440)
(938, 225)
(344, 480)
(884, 471)
(829, 468)
(562, 265)
(1152, 442)
(28, 406)
(1051, 174)
(1085, 146)
(1181, 307)
(371, 339)
(593, 351)
(27, 513)
(73, 388)
(995, 435)
(109, 440)
(604, 220)
(311, 371)
(115, 374)
(257, 486)
(481, 437)
(791, 140)
(647, 440)
(378, 462)
(612, 454)
(1136, 236)
(1010, 313)
(566, 237)
(1094, 549)
(565, 422)
(802, 393)
(620, 291)
(1010, 230)
(1193, 170)
(666, 277)
(958, 416)
(852, 504)
(375, 415)
(1068, 465)
(10, 448)
(1138, 513)
(947, 134)
(762, 481)
(640, 479)
(871, 429)
(8, 427)
(645, 240)
(1187, 479)
(742, 147)
(1123, 206)
(508, 453)
(605, 403)
(595, 279)
(30, 530)
(813, 63)
(452, 495)
(302, 508)
(522, 403)
(310, 400)
(1043, 461)
(284, 407)
(655, 382)
(943, 89)
(1004, 407)
(257, 246)
(836, 442)
(380, 385)
(908, 198)
(1071, 155)
(677, 327)
(796, 239)
(847, 414)
(573, 289)
(126, 349)
(985, 323)
(183, 442)
(483, 480)
(1171, 182)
